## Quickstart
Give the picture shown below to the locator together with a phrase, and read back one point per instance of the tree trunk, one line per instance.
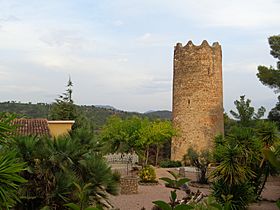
(157, 153)
(147, 156)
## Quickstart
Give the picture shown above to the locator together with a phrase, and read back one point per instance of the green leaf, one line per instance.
(173, 174)
(183, 207)
(168, 180)
(46, 208)
(163, 205)
(271, 157)
(72, 206)
(216, 205)
(173, 195)
(182, 182)
(91, 208)
(278, 204)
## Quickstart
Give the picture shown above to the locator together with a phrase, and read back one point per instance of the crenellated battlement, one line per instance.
(190, 45)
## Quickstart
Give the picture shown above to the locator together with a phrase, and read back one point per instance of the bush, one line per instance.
(147, 174)
(201, 162)
(170, 164)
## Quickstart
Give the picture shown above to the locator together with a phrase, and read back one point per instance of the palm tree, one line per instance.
(54, 165)
(10, 167)
(268, 134)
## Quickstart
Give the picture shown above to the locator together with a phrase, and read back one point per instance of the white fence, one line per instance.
(122, 158)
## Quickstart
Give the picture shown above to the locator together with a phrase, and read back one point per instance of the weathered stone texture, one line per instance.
(129, 185)
(197, 97)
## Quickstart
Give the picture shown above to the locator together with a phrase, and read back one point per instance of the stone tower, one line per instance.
(197, 97)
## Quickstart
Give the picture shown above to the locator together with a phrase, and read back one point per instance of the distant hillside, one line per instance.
(105, 107)
(98, 115)
(165, 114)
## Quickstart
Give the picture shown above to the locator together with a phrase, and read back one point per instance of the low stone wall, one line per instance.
(129, 185)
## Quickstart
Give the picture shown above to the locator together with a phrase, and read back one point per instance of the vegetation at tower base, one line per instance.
(270, 76)
(201, 161)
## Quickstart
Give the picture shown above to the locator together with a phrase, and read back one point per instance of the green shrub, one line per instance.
(147, 174)
(200, 161)
(170, 164)
(237, 195)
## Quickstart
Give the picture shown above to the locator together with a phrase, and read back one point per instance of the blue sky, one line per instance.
(120, 52)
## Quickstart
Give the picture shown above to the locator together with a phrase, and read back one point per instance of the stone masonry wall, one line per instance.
(129, 185)
(197, 97)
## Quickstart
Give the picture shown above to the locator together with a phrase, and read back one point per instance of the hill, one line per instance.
(164, 114)
(97, 114)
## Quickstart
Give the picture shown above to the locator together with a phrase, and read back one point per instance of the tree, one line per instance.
(246, 113)
(55, 165)
(270, 76)
(10, 165)
(156, 133)
(64, 108)
(136, 134)
(268, 135)
(10, 180)
(274, 113)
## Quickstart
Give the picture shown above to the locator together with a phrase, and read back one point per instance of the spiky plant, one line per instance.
(10, 167)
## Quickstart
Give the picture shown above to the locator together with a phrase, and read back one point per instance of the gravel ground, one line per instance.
(147, 194)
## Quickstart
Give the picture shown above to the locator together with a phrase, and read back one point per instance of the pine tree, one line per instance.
(270, 76)
(64, 108)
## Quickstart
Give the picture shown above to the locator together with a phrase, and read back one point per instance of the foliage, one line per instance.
(155, 133)
(211, 204)
(136, 134)
(96, 115)
(6, 127)
(242, 169)
(64, 107)
(268, 136)
(170, 164)
(228, 123)
(176, 183)
(191, 201)
(82, 193)
(231, 178)
(271, 76)
(147, 174)
(10, 180)
(76, 207)
(274, 113)
(200, 161)
(246, 113)
(55, 165)
(122, 135)
(278, 204)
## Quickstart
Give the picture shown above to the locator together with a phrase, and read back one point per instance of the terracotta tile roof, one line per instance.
(28, 127)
